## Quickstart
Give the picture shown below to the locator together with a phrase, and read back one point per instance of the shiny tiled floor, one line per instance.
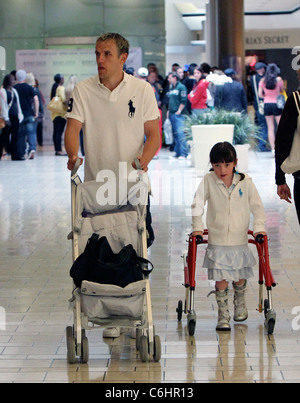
(35, 258)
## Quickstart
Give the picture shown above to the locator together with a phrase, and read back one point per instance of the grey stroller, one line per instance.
(97, 305)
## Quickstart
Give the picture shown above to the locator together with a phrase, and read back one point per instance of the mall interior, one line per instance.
(49, 37)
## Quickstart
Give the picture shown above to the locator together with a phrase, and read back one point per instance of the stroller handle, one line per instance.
(76, 166)
(137, 164)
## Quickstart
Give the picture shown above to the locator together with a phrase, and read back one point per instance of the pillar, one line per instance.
(225, 35)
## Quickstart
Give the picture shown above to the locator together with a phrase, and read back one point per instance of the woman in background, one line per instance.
(59, 121)
(269, 88)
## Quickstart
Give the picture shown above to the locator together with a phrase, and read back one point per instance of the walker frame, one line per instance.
(265, 279)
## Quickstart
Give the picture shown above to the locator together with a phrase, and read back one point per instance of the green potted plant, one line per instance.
(244, 134)
(245, 130)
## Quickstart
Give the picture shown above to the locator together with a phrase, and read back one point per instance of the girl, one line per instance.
(230, 198)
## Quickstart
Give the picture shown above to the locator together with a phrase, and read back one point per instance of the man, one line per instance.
(231, 96)
(115, 111)
(260, 119)
(113, 131)
(177, 102)
(29, 102)
(142, 73)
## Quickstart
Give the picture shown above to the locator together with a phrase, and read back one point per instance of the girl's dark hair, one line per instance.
(223, 152)
(272, 73)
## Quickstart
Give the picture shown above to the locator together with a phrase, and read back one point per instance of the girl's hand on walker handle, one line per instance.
(259, 236)
(198, 235)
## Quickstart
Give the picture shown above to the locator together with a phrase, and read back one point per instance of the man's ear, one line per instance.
(124, 57)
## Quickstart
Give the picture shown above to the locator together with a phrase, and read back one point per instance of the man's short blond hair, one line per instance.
(122, 43)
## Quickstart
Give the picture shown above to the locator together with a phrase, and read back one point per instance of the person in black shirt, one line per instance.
(30, 107)
(288, 126)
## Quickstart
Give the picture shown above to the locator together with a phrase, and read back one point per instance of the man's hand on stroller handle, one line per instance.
(139, 164)
(72, 162)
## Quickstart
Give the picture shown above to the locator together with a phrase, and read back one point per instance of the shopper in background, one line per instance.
(269, 89)
(30, 107)
(58, 119)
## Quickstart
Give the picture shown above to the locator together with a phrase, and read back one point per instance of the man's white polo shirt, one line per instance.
(113, 121)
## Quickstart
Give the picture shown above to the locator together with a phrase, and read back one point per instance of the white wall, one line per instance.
(178, 39)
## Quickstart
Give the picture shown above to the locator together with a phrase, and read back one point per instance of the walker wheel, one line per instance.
(266, 307)
(270, 326)
(179, 311)
(192, 327)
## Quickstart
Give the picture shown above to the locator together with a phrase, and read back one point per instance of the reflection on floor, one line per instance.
(35, 259)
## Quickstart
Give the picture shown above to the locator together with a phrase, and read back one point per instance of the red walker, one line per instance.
(265, 277)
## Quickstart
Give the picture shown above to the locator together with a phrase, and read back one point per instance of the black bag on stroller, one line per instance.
(99, 264)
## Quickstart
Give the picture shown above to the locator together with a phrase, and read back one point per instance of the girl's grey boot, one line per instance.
(223, 312)
(240, 309)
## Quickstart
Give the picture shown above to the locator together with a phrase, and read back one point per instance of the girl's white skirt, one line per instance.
(231, 263)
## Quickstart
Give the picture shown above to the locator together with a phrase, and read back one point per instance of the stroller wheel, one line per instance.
(143, 347)
(157, 349)
(138, 334)
(71, 345)
(84, 349)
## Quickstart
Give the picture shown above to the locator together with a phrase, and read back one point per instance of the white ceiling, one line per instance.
(190, 11)
(188, 6)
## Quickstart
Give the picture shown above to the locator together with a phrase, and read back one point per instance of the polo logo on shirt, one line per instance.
(240, 192)
(131, 112)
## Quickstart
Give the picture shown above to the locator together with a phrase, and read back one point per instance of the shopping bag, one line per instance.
(280, 101)
(57, 106)
(168, 132)
(99, 264)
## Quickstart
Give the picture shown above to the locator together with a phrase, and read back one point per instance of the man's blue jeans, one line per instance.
(177, 122)
(27, 131)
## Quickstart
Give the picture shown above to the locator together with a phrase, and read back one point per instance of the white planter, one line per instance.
(242, 151)
(204, 138)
